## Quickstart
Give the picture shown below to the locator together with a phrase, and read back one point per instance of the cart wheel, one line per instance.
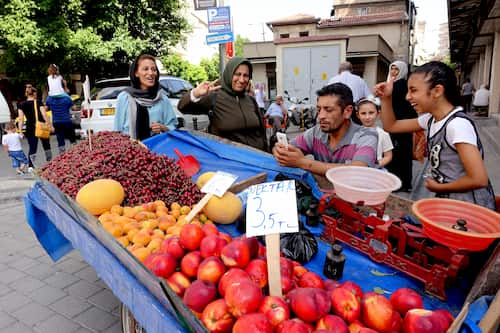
(129, 324)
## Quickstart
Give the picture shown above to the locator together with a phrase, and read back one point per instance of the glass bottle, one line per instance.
(334, 263)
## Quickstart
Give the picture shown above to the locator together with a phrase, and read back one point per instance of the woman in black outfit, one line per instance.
(402, 155)
(27, 108)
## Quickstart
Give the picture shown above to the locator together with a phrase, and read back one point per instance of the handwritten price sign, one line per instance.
(272, 209)
(219, 183)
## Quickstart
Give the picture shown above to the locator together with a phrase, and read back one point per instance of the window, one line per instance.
(303, 33)
(363, 11)
(284, 35)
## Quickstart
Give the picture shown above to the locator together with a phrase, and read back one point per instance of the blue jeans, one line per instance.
(17, 158)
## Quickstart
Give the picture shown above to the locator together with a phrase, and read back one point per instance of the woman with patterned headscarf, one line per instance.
(402, 161)
(143, 109)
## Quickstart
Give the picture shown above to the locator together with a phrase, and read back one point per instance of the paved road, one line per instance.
(38, 295)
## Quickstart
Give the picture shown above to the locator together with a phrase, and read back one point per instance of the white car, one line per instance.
(98, 108)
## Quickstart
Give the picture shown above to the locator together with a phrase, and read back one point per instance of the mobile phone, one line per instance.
(281, 137)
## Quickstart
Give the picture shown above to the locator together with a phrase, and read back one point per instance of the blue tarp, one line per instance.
(53, 228)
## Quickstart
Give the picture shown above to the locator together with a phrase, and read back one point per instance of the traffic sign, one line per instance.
(219, 19)
(220, 38)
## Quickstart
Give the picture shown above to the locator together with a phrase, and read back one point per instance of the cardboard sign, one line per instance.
(272, 209)
(219, 183)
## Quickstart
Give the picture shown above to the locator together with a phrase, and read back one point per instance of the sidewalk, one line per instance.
(38, 295)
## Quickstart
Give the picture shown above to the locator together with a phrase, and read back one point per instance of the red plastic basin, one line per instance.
(439, 215)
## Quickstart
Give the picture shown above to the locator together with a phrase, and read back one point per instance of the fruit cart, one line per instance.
(61, 225)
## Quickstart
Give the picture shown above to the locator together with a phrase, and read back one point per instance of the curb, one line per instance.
(13, 189)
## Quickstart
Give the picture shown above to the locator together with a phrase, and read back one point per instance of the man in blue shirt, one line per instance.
(61, 119)
(275, 113)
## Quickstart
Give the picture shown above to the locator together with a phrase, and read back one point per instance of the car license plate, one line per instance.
(107, 111)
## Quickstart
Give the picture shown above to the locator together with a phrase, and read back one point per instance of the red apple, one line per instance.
(332, 323)
(163, 265)
(190, 263)
(294, 326)
(231, 276)
(199, 294)
(354, 288)
(252, 322)
(210, 229)
(253, 245)
(216, 317)
(257, 269)
(312, 280)
(331, 284)
(421, 321)
(173, 247)
(376, 311)
(355, 326)
(366, 330)
(404, 299)
(212, 245)
(211, 269)
(243, 297)
(309, 304)
(345, 304)
(444, 317)
(236, 254)
(178, 282)
(191, 236)
(275, 309)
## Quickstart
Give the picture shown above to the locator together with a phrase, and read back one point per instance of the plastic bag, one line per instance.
(299, 246)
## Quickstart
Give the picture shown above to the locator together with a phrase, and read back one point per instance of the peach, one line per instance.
(191, 236)
(332, 323)
(231, 276)
(217, 318)
(311, 279)
(173, 247)
(309, 304)
(211, 269)
(253, 322)
(162, 265)
(376, 312)
(404, 299)
(257, 269)
(190, 263)
(209, 229)
(294, 325)
(253, 245)
(345, 304)
(212, 245)
(421, 321)
(236, 254)
(243, 297)
(275, 309)
(199, 294)
(178, 282)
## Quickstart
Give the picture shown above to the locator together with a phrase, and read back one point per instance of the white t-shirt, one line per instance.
(55, 85)
(459, 130)
(13, 141)
(384, 143)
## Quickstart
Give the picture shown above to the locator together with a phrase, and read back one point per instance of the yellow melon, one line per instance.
(204, 178)
(100, 195)
(223, 210)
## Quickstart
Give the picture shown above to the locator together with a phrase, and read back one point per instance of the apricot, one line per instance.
(123, 240)
(117, 209)
(185, 210)
(175, 213)
(151, 224)
(155, 244)
(131, 225)
(175, 206)
(160, 203)
(131, 233)
(141, 238)
(141, 253)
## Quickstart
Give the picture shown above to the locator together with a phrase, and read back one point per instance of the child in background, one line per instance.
(367, 113)
(12, 144)
(56, 83)
(457, 169)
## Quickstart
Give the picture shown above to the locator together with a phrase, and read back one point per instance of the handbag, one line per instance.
(42, 130)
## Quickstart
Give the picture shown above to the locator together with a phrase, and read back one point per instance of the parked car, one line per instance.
(98, 107)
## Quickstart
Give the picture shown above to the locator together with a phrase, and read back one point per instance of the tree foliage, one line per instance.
(211, 66)
(238, 45)
(97, 37)
(175, 65)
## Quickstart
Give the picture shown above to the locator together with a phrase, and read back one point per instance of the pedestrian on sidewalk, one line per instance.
(12, 145)
(27, 109)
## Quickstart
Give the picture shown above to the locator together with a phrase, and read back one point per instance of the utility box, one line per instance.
(302, 69)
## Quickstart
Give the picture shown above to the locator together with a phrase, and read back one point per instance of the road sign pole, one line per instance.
(222, 50)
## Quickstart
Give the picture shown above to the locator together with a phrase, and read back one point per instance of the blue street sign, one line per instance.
(219, 19)
(225, 37)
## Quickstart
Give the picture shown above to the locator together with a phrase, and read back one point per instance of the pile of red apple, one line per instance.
(224, 282)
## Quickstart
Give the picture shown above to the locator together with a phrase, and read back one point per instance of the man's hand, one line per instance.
(290, 156)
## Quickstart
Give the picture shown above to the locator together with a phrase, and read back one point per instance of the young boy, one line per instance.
(12, 144)
(367, 113)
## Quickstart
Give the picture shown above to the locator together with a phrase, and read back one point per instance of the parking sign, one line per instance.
(219, 19)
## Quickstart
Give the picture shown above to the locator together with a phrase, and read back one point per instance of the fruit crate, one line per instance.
(156, 286)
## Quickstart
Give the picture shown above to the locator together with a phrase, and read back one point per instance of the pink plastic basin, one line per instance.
(439, 215)
(361, 184)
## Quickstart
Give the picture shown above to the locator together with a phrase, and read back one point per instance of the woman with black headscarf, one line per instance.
(234, 115)
(143, 109)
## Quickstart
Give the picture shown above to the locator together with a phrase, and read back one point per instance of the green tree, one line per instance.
(211, 66)
(175, 65)
(238, 45)
(95, 37)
